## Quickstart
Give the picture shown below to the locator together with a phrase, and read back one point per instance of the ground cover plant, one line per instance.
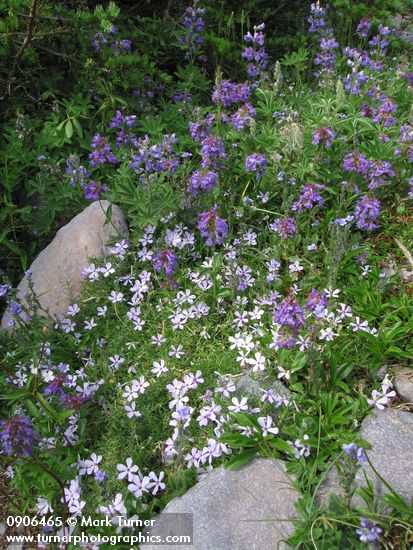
(270, 221)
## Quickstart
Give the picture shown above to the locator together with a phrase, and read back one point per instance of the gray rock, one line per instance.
(406, 275)
(403, 384)
(330, 486)
(250, 383)
(381, 373)
(2, 528)
(57, 270)
(390, 432)
(250, 508)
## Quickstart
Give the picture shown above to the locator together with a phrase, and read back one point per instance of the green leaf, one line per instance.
(14, 395)
(78, 127)
(237, 441)
(241, 459)
(281, 445)
(69, 129)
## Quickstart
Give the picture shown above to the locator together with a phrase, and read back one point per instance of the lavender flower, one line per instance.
(167, 260)
(151, 158)
(102, 151)
(202, 180)
(17, 436)
(120, 120)
(121, 46)
(317, 302)
(191, 36)
(76, 171)
(385, 113)
(289, 313)
(212, 149)
(355, 451)
(369, 531)
(255, 54)
(377, 173)
(366, 212)
(363, 28)
(212, 227)
(324, 136)
(309, 197)
(97, 42)
(284, 227)
(243, 117)
(201, 129)
(15, 308)
(326, 58)
(228, 93)
(256, 163)
(93, 190)
(356, 162)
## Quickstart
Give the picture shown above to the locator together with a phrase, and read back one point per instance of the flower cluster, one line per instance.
(101, 152)
(256, 162)
(149, 159)
(202, 180)
(309, 197)
(17, 436)
(191, 36)
(78, 177)
(326, 58)
(228, 93)
(255, 54)
(284, 227)
(118, 45)
(212, 227)
(323, 135)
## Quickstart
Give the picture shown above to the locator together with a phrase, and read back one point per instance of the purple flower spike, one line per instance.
(212, 227)
(166, 259)
(17, 436)
(367, 210)
(324, 135)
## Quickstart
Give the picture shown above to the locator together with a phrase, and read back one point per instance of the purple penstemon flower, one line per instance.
(17, 436)
(355, 451)
(363, 28)
(356, 162)
(167, 260)
(309, 197)
(367, 210)
(202, 180)
(212, 227)
(256, 162)
(284, 227)
(243, 117)
(212, 149)
(323, 136)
